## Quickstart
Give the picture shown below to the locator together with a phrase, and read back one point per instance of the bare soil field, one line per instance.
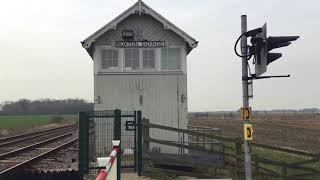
(289, 131)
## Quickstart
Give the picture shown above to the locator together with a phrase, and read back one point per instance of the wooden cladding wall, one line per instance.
(144, 27)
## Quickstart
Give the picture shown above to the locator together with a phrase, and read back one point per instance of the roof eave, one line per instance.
(111, 25)
(87, 43)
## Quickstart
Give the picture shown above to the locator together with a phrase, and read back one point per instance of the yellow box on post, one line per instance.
(248, 132)
(246, 113)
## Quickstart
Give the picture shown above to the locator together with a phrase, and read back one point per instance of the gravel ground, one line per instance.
(132, 176)
(20, 157)
(63, 160)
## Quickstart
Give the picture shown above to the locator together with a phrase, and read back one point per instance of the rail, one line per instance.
(15, 137)
(22, 138)
(24, 149)
(110, 167)
(38, 157)
(13, 156)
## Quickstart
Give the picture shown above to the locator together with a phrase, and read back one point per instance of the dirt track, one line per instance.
(296, 134)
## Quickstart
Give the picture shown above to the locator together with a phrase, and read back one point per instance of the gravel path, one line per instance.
(132, 176)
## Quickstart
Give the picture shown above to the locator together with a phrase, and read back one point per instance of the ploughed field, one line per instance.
(294, 131)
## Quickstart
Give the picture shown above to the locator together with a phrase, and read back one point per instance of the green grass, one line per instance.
(274, 156)
(33, 120)
(284, 158)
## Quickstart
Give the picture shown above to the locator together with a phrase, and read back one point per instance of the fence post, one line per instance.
(135, 142)
(139, 143)
(223, 158)
(83, 143)
(256, 164)
(117, 136)
(146, 144)
(238, 154)
(197, 139)
(203, 140)
(284, 172)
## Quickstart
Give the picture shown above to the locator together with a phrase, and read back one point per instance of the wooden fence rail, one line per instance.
(259, 163)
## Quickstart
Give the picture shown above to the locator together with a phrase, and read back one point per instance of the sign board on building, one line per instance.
(140, 44)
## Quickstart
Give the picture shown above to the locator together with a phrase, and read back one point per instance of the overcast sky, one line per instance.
(41, 55)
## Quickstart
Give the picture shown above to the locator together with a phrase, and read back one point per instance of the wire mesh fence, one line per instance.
(97, 129)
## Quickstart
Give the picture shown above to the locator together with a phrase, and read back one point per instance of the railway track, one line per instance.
(22, 137)
(33, 147)
(8, 144)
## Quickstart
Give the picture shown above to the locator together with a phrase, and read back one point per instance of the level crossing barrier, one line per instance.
(110, 167)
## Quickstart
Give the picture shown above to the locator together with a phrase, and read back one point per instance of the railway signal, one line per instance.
(262, 45)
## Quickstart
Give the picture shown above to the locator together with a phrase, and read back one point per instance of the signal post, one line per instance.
(259, 49)
(245, 95)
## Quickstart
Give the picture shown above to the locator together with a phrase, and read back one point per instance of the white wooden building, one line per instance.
(140, 63)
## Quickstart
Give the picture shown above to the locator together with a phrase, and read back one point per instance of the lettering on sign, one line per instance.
(248, 132)
(140, 44)
(246, 113)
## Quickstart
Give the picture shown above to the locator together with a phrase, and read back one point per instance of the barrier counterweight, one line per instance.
(111, 170)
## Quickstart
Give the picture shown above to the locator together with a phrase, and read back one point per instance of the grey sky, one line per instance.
(41, 55)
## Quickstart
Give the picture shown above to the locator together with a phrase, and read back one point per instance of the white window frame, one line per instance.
(121, 60)
(181, 58)
(124, 61)
(155, 59)
(115, 69)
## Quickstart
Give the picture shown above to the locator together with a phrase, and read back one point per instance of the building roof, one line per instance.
(141, 8)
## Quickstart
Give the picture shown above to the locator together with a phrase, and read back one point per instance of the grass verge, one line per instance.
(26, 121)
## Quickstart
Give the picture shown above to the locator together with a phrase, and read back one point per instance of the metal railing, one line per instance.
(268, 161)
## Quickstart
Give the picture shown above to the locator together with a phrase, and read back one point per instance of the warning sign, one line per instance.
(246, 112)
(248, 132)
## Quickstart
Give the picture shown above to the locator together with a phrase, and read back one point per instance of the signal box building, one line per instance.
(140, 63)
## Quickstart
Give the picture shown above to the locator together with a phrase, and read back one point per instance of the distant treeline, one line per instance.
(304, 110)
(45, 107)
(313, 112)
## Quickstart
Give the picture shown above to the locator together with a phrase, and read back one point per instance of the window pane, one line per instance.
(109, 59)
(104, 64)
(109, 64)
(148, 58)
(115, 54)
(164, 58)
(115, 63)
(132, 58)
(170, 58)
(109, 54)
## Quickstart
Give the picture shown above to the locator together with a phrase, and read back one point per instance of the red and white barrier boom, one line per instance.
(110, 162)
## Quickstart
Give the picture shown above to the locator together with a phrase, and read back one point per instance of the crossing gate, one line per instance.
(97, 129)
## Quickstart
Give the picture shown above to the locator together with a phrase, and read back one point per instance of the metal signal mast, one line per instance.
(259, 49)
